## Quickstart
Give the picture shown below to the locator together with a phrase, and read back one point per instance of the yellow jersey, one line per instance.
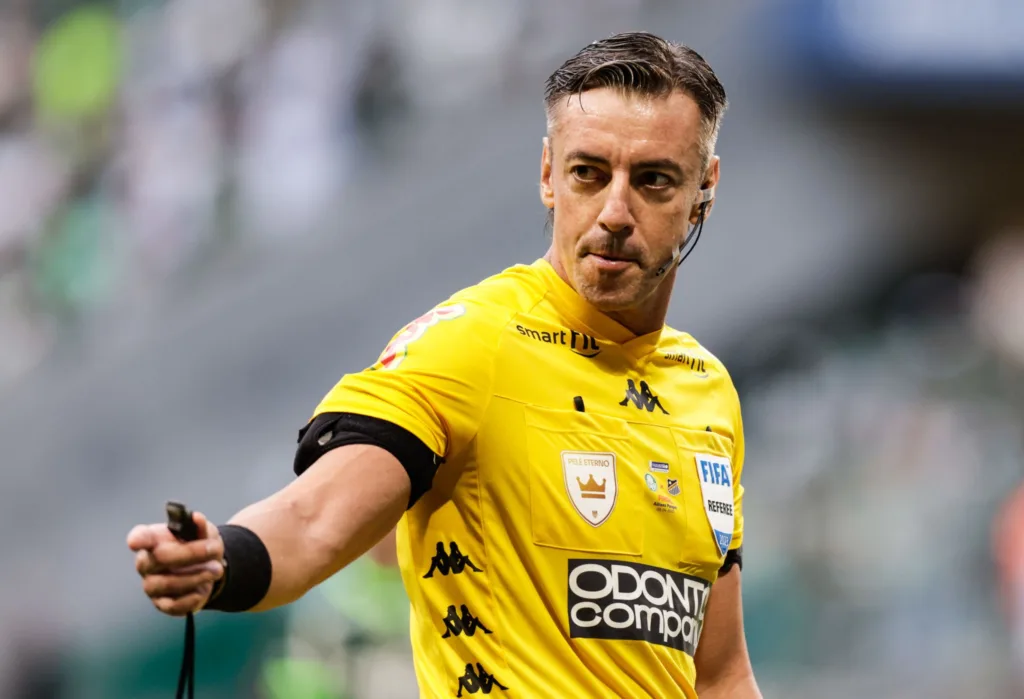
(589, 493)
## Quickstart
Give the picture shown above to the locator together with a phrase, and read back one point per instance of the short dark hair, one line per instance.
(644, 64)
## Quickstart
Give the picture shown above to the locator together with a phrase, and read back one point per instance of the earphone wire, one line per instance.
(696, 234)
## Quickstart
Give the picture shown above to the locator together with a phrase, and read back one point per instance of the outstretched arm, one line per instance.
(338, 509)
(325, 519)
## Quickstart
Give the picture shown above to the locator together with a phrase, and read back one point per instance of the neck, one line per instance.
(647, 317)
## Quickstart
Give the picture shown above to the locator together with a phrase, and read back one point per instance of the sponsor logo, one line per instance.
(451, 561)
(642, 399)
(715, 474)
(466, 624)
(663, 503)
(591, 484)
(659, 466)
(397, 350)
(478, 680)
(616, 600)
(652, 483)
(696, 364)
(672, 486)
(583, 345)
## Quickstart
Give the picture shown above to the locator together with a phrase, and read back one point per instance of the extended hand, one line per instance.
(177, 576)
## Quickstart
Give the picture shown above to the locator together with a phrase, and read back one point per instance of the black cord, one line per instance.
(696, 234)
(187, 675)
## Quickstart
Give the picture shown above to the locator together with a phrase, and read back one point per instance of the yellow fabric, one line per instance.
(491, 554)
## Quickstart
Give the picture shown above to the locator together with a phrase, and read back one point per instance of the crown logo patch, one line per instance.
(591, 489)
(591, 484)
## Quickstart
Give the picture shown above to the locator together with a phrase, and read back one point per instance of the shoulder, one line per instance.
(470, 318)
(511, 291)
(684, 349)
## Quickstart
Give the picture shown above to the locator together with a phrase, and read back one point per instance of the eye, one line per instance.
(654, 180)
(586, 173)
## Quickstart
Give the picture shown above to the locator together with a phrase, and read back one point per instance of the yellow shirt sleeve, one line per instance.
(738, 455)
(433, 378)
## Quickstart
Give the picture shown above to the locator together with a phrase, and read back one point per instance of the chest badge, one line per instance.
(591, 484)
(715, 474)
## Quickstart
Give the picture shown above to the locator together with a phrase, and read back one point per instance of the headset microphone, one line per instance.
(706, 195)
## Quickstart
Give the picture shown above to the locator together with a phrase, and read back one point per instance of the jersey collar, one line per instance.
(576, 308)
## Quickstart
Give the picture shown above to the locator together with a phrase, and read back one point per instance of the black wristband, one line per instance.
(247, 571)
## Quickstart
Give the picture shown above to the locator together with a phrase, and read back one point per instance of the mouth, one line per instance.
(610, 261)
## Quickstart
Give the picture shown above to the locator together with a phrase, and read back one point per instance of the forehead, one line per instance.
(618, 125)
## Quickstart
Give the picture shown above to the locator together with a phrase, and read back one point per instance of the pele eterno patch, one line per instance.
(591, 484)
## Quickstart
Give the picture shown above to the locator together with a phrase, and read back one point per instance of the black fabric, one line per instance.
(247, 571)
(329, 431)
(733, 558)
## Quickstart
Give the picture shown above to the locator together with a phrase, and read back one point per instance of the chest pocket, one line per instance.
(580, 498)
(706, 479)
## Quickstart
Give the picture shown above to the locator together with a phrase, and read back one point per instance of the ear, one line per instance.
(710, 181)
(547, 192)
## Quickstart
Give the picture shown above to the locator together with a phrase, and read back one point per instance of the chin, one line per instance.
(608, 299)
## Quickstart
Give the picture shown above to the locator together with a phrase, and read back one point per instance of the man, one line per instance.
(568, 467)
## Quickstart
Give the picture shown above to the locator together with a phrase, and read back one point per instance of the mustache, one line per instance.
(613, 251)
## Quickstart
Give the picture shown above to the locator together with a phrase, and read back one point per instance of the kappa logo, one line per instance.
(397, 350)
(478, 680)
(451, 561)
(643, 399)
(591, 484)
(467, 623)
(583, 345)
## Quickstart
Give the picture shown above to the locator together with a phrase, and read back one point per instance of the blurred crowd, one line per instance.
(140, 138)
(886, 445)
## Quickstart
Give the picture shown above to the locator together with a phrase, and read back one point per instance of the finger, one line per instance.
(206, 528)
(146, 565)
(180, 554)
(147, 536)
(214, 567)
(182, 605)
(176, 586)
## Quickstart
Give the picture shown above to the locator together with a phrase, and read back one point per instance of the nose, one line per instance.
(616, 215)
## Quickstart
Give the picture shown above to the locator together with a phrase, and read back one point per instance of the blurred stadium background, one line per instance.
(211, 210)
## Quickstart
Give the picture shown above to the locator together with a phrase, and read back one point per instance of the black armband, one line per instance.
(247, 571)
(732, 558)
(329, 431)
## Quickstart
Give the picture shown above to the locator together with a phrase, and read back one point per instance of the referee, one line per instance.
(563, 468)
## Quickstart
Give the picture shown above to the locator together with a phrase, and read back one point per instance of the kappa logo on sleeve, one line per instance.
(478, 681)
(452, 561)
(398, 348)
(457, 625)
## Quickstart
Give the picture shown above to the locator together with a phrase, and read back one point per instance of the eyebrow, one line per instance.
(666, 164)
